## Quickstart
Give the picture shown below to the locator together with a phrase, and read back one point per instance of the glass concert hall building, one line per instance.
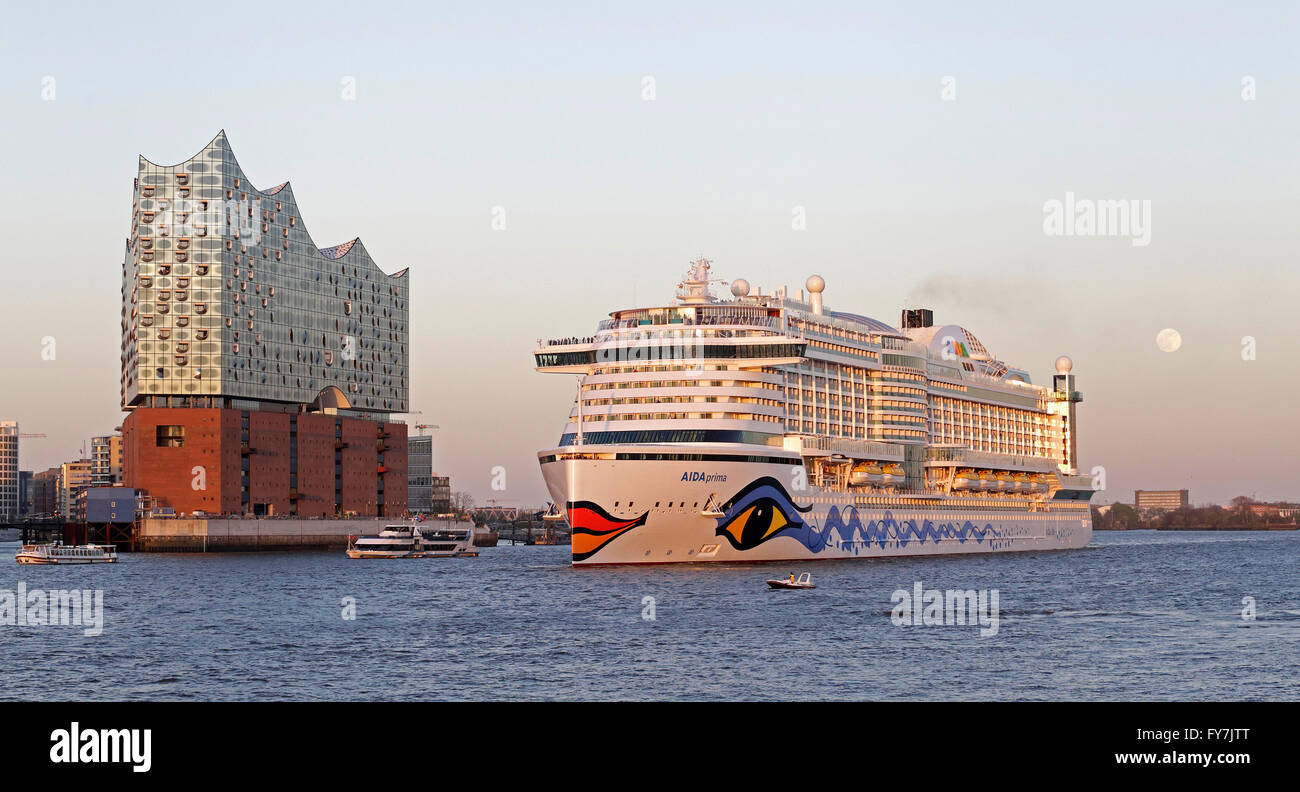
(260, 371)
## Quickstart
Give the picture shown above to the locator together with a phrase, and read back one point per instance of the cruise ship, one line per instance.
(766, 427)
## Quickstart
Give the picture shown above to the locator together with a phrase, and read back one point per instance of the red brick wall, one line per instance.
(316, 465)
(395, 480)
(360, 470)
(268, 464)
(212, 441)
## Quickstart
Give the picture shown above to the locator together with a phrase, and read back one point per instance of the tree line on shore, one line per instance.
(1237, 516)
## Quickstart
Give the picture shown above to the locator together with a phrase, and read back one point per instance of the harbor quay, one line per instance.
(182, 535)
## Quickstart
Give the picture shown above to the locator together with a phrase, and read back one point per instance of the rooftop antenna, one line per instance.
(694, 288)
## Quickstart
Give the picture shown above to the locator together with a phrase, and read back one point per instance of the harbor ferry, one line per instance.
(433, 539)
(768, 427)
(59, 553)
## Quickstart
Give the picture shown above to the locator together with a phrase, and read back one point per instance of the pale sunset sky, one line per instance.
(920, 140)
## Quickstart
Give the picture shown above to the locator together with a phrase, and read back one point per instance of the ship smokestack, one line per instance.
(917, 317)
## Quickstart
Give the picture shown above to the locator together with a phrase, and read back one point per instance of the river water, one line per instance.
(1136, 615)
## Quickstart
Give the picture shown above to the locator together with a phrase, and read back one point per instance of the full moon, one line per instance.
(1169, 340)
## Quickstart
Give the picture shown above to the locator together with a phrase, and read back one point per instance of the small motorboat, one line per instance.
(804, 581)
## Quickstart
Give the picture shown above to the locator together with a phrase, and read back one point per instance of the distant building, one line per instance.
(1159, 500)
(9, 470)
(45, 493)
(441, 495)
(73, 478)
(419, 475)
(426, 492)
(106, 460)
(1283, 511)
(24, 493)
(101, 505)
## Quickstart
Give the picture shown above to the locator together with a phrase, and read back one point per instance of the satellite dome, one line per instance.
(816, 284)
(1064, 364)
(740, 288)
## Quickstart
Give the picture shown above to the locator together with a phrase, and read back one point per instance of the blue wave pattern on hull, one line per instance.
(848, 524)
(881, 532)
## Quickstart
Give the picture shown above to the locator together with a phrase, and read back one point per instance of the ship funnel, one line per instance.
(917, 317)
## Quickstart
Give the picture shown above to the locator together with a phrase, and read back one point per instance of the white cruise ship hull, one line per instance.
(653, 512)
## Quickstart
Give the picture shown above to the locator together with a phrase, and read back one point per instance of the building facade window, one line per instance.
(171, 436)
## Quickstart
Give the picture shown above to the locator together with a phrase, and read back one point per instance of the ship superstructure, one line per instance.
(767, 427)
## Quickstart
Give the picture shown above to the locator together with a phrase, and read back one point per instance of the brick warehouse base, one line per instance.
(222, 461)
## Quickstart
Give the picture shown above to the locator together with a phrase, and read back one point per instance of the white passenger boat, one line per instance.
(59, 553)
(448, 539)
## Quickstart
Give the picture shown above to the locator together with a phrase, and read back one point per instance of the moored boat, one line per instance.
(485, 536)
(434, 540)
(59, 553)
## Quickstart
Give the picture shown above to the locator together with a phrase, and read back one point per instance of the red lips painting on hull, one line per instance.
(593, 527)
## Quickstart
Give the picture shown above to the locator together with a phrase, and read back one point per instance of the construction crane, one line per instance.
(422, 427)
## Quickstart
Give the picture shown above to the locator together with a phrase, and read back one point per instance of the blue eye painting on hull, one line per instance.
(759, 512)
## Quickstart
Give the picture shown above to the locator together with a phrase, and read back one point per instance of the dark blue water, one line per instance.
(1139, 615)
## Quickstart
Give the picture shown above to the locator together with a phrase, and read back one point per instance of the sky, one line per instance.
(918, 142)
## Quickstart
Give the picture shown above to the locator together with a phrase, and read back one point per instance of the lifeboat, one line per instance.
(1022, 483)
(988, 482)
(893, 475)
(1039, 483)
(1006, 483)
(868, 474)
(965, 479)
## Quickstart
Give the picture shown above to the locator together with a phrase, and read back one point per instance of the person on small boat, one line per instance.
(791, 577)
